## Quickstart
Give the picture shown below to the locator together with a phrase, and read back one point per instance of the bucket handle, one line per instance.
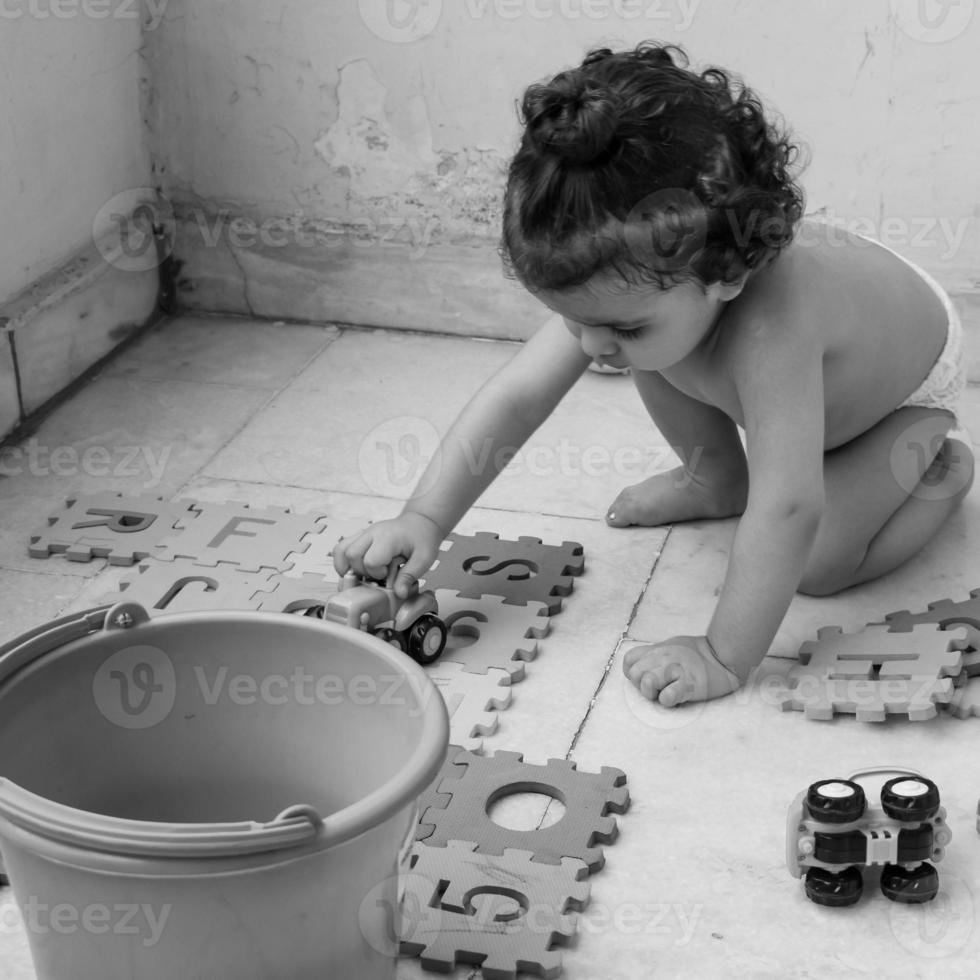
(294, 826)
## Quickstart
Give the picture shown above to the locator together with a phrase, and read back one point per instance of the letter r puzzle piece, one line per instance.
(520, 571)
(874, 673)
(124, 529)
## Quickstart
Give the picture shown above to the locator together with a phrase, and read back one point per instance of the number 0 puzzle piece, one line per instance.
(505, 914)
(520, 571)
(252, 538)
(487, 632)
(588, 798)
(123, 529)
(874, 673)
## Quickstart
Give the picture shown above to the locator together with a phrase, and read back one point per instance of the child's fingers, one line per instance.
(414, 568)
(348, 555)
(632, 651)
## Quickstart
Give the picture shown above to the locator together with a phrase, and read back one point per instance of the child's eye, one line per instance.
(626, 334)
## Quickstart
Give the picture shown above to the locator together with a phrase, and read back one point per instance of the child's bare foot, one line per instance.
(678, 670)
(667, 498)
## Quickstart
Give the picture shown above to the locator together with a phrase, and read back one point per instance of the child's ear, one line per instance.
(726, 291)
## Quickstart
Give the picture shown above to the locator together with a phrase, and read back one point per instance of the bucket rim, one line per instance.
(297, 825)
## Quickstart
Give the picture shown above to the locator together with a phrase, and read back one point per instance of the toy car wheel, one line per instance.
(394, 637)
(910, 798)
(833, 888)
(835, 800)
(426, 639)
(910, 887)
(317, 611)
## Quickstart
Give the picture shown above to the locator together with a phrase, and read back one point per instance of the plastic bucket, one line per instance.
(210, 795)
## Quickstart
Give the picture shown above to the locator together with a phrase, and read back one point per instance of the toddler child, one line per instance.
(652, 209)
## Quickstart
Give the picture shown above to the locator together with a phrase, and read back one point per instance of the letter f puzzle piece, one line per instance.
(875, 673)
(123, 529)
(504, 914)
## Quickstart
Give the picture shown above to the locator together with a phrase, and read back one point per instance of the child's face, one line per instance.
(642, 326)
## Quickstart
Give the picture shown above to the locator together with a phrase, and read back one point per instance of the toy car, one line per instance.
(832, 832)
(411, 624)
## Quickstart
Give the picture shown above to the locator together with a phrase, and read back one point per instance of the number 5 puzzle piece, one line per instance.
(520, 571)
(123, 529)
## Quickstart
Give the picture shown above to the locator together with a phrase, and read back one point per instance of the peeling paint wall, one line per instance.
(393, 120)
(71, 136)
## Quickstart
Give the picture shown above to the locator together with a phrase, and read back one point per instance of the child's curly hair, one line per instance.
(634, 164)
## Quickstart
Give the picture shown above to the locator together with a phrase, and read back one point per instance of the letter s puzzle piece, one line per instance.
(123, 529)
(505, 914)
(874, 673)
(520, 571)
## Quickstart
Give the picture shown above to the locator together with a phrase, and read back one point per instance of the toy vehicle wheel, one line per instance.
(317, 611)
(910, 798)
(426, 639)
(835, 801)
(394, 637)
(910, 887)
(833, 888)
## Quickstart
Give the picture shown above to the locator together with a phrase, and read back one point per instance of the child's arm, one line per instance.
(778, 372)
(496, 422)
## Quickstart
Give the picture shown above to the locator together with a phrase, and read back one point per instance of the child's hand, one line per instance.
(370, 552)
(680, 669)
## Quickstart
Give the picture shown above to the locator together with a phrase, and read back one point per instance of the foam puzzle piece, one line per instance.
(588, 798)
(505, 914)
(486, 633)
(520, 571)
(122, 528)
(251, 538)
(945, 613)
(432, 797)
(182, 586)
(472, 701)
(874, 673)
(316, 556)
(965, 702)
(288, 595)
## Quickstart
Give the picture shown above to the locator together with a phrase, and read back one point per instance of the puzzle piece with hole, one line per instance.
(944, 613)
(121, 528)
(519, 571)
(487, 633)
(472, 701)
(250, 538)
(287, 594)
(505, 914)
(875, 673)
(589, 799)
(182, 586)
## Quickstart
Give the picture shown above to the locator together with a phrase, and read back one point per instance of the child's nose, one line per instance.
(597, 342)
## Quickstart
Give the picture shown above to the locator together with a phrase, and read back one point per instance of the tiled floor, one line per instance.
(696, 885)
